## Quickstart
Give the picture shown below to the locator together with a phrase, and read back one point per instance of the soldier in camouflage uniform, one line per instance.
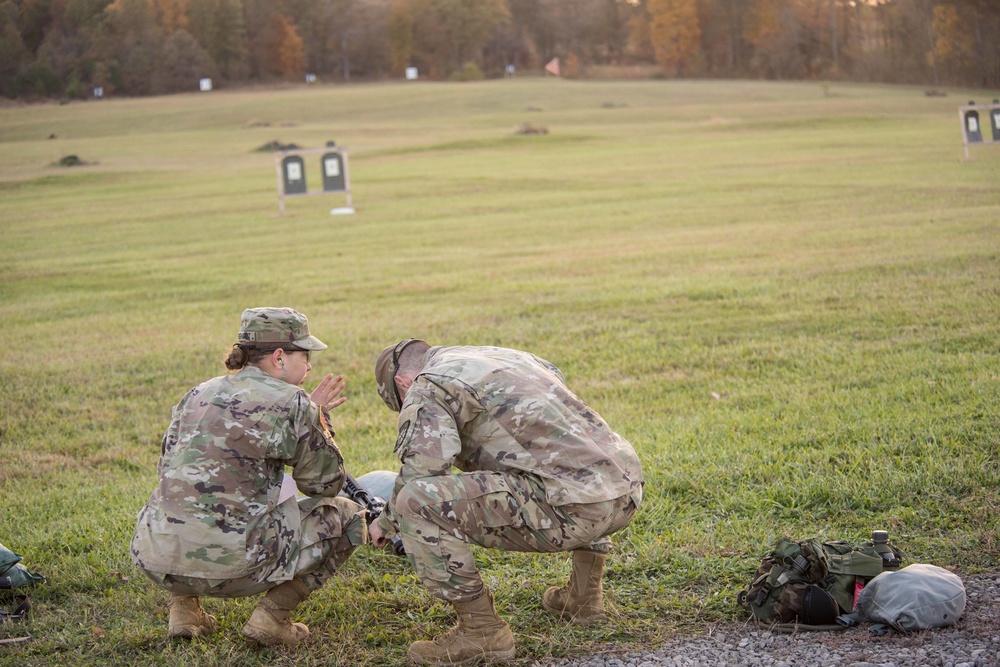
(218, 524)
(541, 472)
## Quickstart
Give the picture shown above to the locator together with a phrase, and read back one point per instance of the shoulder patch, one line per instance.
(403, 432)
(325, 424)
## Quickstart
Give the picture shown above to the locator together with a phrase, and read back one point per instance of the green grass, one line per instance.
(787, 301)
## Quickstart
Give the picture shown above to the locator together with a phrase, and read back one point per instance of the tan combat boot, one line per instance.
(188, 619)
(582, 599)
(479, 636)
(269, 624)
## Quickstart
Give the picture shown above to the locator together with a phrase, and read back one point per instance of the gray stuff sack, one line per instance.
(13, 574)
(917, 597)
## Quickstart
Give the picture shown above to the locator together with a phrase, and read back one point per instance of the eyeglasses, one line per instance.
(396, 353)
(305, 352)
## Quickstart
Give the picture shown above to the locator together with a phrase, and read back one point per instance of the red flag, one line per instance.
(553, 67)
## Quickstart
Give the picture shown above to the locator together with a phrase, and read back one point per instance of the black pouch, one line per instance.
(818, 607)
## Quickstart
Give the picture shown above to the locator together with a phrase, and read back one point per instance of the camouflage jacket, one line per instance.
(215, 513)
(495, 409)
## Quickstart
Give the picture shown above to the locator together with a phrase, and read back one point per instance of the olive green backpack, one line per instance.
(808, 584)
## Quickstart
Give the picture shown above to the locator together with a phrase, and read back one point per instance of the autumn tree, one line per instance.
(722, 43)
(640, 42)
(314, 22)
(965, 40)
(675, 34)
(171, 14)
(450, 33)
(784, 38)
(137, 47)
(400, 29)
(291, 54)
(363, 39)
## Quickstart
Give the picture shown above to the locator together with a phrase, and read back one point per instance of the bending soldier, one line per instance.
(540, 472)
(218, 524)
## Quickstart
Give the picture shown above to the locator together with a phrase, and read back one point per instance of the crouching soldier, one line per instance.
(539, 472)
(218, 524)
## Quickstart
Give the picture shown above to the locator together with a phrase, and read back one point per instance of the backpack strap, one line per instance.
(855, 618)
(792, 628)
(850, 620)
(777, 577)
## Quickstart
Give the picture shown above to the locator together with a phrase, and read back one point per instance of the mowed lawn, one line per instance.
(784, 295)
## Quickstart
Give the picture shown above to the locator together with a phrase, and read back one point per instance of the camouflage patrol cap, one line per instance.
(386, 367)
(271, 328)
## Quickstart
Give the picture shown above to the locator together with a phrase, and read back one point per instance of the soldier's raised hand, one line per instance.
(327, 393)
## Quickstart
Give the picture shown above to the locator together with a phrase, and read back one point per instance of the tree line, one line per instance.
(66, 48)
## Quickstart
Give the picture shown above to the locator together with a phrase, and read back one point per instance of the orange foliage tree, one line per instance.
(675, 33)
(171, 14)
(291, 51)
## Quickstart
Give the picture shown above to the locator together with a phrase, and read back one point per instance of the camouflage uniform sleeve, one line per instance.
(551, 368)
(428, 442)
(316, 461)
(170, 437)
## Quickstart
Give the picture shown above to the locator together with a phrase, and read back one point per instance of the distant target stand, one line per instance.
(972, 128)
(291, 168)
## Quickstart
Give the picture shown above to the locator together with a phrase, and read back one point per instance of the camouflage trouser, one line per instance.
(331, 529)
(440, 517)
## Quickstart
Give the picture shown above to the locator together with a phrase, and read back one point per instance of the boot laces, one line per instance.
(450, 636)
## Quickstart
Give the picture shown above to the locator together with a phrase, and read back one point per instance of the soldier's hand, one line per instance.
(378, 539)
(327, 393)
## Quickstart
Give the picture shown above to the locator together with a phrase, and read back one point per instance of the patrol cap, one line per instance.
(386, 367)
(271, 328)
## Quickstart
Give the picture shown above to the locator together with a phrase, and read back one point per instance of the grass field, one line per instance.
(786, 298)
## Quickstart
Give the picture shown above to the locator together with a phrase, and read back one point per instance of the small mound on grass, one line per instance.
(528, 128)
(272, 146)
(71, 161)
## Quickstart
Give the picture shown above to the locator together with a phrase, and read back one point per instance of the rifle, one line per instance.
(373, 508)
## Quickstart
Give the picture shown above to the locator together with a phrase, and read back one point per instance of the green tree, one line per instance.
(36, 17)
(126, 48)
(450, 33)
(314, 21)
(81, 14)
(218, 27)
(14, 52)
(184, 63)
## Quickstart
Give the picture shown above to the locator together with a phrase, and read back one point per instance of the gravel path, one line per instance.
(973, 642)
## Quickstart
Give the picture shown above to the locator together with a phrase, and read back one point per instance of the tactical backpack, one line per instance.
(812, 582)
